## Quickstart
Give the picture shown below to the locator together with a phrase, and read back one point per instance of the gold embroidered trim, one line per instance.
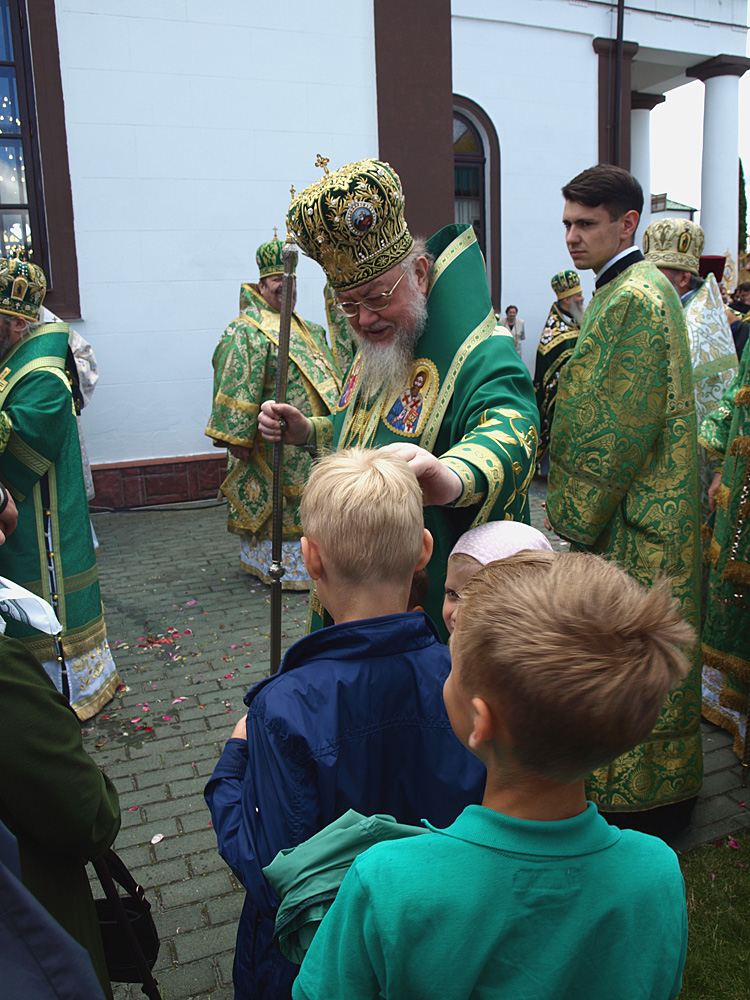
(451, 253)
(481, 333)
(722, 496)
(742, 396)
(321, 435)
(27, 455)
(236, 404)
(80, 581)
(469, 495)
(740, 446)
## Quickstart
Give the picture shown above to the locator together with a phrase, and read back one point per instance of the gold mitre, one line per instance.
(351, 222)
(674, 243)
(566, 283)
(268, 257)
(22, 286)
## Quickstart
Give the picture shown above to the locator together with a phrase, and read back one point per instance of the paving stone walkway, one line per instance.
(189, 632)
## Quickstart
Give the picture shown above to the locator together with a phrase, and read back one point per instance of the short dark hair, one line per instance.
(511, 307)
(744, 286)
(614, 188)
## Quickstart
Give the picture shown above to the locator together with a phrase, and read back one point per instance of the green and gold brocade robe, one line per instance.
(556, 345)
(475, 408)
(40, 464)
(244, 365)
(725, 434)
(623, 483)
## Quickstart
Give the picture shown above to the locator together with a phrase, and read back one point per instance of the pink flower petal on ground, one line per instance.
(191, 603)
(741, 864)
(741, 804)
(713, 877)
(135, 720)
(133, 809)
(733, 844)
(188, 631)
(178, 700)
(166, 717)
(228, 677)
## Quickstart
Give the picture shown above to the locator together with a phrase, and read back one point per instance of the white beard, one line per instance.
(575, 310)
(386, 368)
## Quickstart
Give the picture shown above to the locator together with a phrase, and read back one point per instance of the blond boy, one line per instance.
(354, 719)
(560, 662)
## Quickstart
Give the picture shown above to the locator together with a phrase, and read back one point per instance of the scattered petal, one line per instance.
(157, 838)
(178, 700)
(741, 864)
(733, 844)
(137, 719)
(741, 804)
(713, 877)
(191, 603)
(133, 809)
(166, 717)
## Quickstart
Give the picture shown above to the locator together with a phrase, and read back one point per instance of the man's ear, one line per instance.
(422, 273)
(311, 556)
(629, 222)
(426, 554)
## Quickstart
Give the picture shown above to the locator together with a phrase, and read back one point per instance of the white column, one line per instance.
(719, 167)
(640, 162)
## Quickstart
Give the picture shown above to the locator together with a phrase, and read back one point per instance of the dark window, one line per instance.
(469, 166)
(21, 201)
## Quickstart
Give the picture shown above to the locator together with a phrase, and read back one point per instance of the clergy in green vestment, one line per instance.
(244, 365)
(623, 479)
(556, 344)
(725, 434)
(433, 376)
(51, 552)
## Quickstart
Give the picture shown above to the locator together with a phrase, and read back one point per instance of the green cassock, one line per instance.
(244, 375)
(623, 483)
(725, 434)
(469, 400)
(60, 807)
(40, 464)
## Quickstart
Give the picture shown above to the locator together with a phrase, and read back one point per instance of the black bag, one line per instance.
(129, 935)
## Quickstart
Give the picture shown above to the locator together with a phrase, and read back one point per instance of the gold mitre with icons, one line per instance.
(268, 257)
(566, 283)
(22, 287)
(674, 243)
(351, 222)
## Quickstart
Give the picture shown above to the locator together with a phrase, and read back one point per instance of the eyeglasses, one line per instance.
(375, 304)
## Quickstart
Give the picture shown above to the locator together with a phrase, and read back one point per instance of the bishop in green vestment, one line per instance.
(556, 344)
(244, 365)
(623, 479)
(433, 373)
(51, 552)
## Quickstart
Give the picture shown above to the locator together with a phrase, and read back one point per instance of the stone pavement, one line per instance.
(189, 632)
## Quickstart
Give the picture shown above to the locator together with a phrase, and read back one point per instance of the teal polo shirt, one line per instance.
(495, 906)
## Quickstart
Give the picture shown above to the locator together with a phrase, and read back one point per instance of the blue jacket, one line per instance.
(354, 719)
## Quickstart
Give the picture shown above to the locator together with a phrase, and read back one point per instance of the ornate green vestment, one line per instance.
(623, 483)
(725, 434)
(556, 345)
(469, 400)
(244, 375)
(40, 464)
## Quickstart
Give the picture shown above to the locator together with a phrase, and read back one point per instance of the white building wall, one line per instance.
(539, 87)
(187, 123)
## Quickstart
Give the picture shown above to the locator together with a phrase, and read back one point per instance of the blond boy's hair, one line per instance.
(576, 654)
(364, 509)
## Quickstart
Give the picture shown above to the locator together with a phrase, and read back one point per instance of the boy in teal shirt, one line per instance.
(561, 662)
